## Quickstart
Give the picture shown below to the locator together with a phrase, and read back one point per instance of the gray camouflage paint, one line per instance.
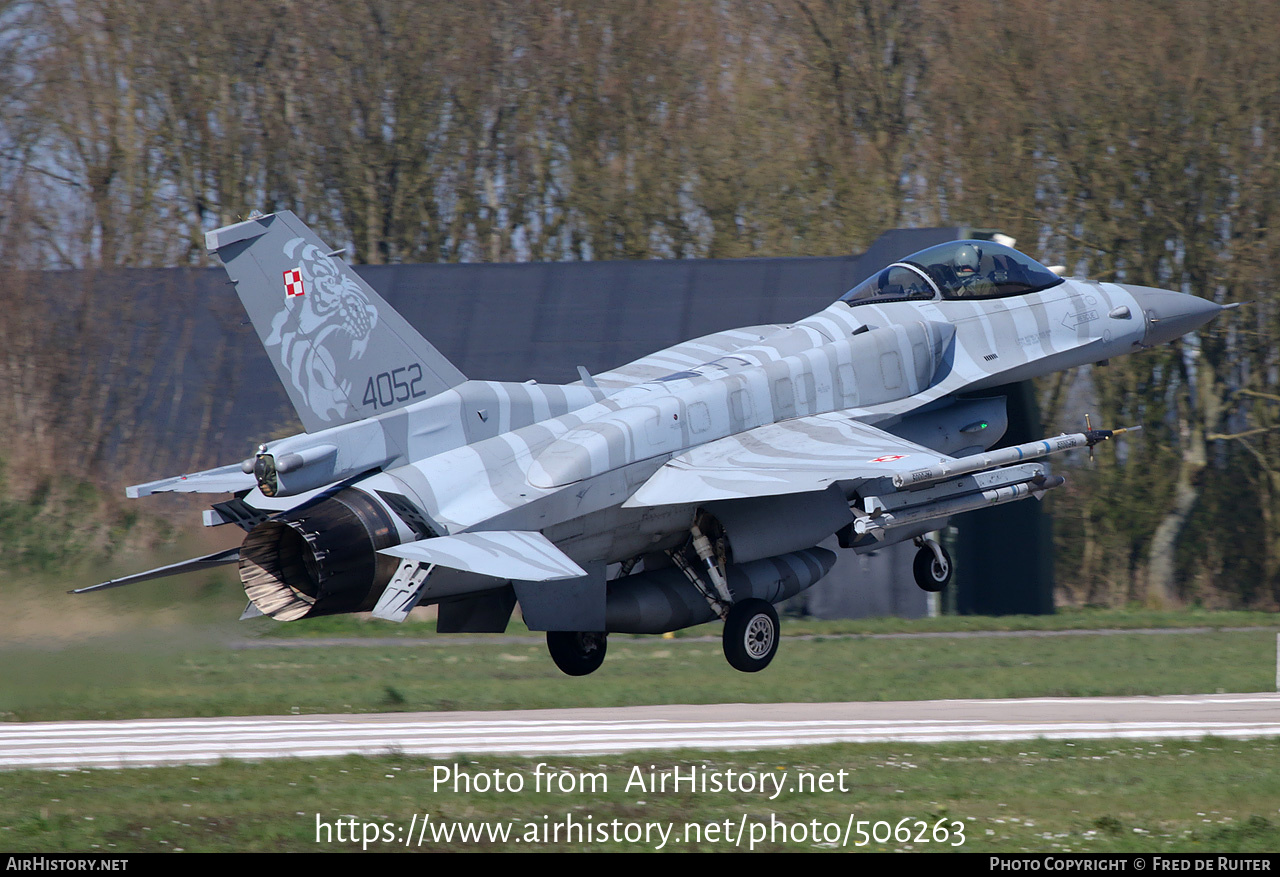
(615, 468)
(817, 387)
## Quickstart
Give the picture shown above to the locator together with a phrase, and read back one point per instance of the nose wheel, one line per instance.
(577, 653)
(751, 635)
(932, 566)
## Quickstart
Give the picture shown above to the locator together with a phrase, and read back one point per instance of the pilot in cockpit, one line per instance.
(954, 270)
(972, 283)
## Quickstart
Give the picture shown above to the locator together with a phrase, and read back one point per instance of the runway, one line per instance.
(152, 742)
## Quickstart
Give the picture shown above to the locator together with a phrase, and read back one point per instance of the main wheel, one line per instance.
(575, 652)
(930, 575)
(751, 635)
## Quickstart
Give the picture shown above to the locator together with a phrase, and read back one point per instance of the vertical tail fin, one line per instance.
(341, 352)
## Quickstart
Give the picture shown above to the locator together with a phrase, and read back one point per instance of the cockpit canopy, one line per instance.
(955, 270)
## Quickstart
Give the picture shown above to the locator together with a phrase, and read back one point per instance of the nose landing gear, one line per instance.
(932, 567)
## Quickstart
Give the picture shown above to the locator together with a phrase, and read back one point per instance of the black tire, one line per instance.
(577, 653)
(751, 635)
(929, 575)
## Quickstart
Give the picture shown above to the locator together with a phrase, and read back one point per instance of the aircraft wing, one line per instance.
(224, 479)
(794, 456)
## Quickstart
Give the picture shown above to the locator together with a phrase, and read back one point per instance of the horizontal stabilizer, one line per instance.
(231, 555)
(224, 479)
(503, 554)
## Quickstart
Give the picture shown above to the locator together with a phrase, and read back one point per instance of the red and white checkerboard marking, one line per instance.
(293, 282)
(889, 458)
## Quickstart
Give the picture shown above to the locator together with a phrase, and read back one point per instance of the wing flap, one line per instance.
(795, 456)
(503, 554)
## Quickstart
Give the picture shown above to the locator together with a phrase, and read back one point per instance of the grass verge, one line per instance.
(183, 676)
(1047, 796)
(1064, 619)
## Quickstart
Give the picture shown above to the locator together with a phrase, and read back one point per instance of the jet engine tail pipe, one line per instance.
(663, 600)
(320, 559)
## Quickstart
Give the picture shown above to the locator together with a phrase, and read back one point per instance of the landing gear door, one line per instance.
(565, 604)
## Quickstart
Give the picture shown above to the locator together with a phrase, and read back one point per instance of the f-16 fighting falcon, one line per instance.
(690, 485)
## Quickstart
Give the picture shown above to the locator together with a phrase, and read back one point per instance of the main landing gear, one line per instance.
(750, 635)
(751, 632)
(932, 566)
(577, 653)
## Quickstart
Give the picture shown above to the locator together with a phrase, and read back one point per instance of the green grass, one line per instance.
(1064, 619)
(1043, 796)
(60, 523)
(184, 676)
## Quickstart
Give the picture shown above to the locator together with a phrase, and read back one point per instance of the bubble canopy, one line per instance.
(955, 270)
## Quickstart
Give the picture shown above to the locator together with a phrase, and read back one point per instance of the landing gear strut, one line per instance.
(932, 566)
(751, 635)
(577, 653)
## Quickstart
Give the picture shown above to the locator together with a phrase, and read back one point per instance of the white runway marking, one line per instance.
(151, 742)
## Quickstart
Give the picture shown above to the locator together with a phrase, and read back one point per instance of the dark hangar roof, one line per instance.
(516, 321)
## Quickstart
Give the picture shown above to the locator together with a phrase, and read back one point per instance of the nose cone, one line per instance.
(1171, 315)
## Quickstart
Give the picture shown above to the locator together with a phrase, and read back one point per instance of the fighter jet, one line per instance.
(691, 485)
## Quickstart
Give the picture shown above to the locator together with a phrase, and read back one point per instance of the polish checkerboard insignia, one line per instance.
(888, 458)
(293, 283)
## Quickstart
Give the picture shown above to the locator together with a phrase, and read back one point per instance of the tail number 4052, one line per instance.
(398, 385)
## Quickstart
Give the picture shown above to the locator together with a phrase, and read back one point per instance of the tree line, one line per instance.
(1132, 141)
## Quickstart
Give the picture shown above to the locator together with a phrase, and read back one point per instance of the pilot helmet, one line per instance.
(967, 259)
